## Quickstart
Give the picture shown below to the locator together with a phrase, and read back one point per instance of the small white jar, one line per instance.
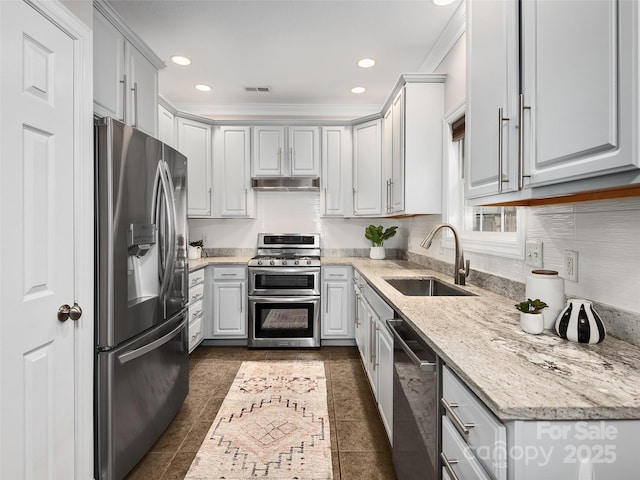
(532, 322)
(548, 287)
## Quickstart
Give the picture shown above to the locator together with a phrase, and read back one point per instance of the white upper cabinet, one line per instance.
(125, 73)
(167, 127)
(412, 146)
(286, 151)
(367, 168)
(336, 171)
(492, 97)
(233, 195)
(569, 124)
(194, 141)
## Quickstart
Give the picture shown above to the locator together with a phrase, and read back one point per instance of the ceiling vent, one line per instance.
(258, 89)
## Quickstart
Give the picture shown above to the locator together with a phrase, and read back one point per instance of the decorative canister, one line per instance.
(579, 322)
(194, 253)
(548, 287)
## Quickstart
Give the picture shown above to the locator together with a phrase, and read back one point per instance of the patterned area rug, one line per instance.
(272, 424)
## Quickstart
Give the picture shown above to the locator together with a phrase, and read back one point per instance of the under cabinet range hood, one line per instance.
(286, 184)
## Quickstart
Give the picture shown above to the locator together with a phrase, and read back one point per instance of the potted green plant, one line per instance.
(195, 249)
(377, 236)
(531, 318)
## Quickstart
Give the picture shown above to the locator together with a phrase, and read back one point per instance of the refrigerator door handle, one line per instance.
(138, 352)
(170, 243)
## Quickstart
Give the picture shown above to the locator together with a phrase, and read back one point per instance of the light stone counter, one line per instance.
(517, 375)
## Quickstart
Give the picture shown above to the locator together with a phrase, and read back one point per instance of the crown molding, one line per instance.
(452, 32)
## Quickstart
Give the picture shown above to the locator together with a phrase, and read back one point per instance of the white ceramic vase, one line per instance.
(194, 252)
(548, 287)
(377, 253)
(532, 322)
(579, 322)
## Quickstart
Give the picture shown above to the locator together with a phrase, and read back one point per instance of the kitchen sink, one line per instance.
(426, 287)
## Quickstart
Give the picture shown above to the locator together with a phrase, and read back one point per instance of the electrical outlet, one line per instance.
(533, 254)
(571, 265)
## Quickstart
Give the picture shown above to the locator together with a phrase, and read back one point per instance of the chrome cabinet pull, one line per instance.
(501, 119)
(124, 98)
(521, 108)
(135, 104)
(459, 424)
(448, 465)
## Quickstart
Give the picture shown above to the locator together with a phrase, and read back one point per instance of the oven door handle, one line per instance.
(298, 270)
(424, 366)
(289, 299)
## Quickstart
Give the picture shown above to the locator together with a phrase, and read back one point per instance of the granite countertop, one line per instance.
(517, 375)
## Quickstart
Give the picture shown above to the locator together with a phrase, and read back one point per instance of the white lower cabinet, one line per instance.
(196, 308)
(337, 297)
(375, 343)
(229, 302)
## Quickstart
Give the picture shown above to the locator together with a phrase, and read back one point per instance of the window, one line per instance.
(491, 230)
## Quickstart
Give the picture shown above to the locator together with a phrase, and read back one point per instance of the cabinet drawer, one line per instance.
(196, 293)
(486, 433)
(195, 333)
(459, 456)
(196, 310)
(196, 277)
(330, 274)
(229, 273)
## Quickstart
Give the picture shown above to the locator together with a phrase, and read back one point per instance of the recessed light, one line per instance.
(358, 90)
(442, 3)
(202, 87)
(180, 60)
(366, 62)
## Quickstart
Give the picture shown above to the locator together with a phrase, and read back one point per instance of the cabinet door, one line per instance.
(384, 358)
(360, 325)
(233, 196)
(572, 82)
(371, 322)
(142, 94)
(387, 157)
(166, 126)
(268, 144)
(367, 169)
(108, 68)
(336, 314)
(492, 63)
(336, 170)
(194, 141)
(229, 309)
(304, 151)
(396, 187)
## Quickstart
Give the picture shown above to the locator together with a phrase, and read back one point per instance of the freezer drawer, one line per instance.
(140, 387)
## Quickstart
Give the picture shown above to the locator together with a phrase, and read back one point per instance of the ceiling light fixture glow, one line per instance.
(358, 90)
(180, 60)
(366, 62)
(202, 87)
(442, 3)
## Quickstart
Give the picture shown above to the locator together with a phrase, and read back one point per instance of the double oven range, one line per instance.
(284, 291)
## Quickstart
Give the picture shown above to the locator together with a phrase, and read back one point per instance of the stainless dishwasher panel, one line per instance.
(140, 388)
(415, 405)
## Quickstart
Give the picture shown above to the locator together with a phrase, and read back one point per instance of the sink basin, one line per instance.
(426, 287)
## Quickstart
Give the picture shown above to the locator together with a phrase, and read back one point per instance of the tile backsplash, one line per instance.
(606, 235)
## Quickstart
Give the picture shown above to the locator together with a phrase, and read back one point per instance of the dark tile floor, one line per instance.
(359, 446)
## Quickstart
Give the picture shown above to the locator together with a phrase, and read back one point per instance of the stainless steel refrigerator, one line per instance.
(141, 369)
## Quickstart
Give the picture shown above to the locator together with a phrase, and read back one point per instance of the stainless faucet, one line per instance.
(461, 269)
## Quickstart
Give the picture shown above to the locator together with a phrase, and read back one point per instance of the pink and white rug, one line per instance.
(273, 424)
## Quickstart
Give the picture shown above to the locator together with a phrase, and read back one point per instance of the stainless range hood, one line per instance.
(286, 184)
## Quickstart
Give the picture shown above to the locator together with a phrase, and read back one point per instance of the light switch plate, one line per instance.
(533, 254)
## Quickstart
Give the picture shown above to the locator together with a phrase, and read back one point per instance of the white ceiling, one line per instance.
(304, 50)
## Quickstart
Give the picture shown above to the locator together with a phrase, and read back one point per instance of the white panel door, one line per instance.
(142, 91)
(268, 145)
(384, 357)
(397, 167)
(336, 321)
(233, 195)
(108, 68)
(336, 165)
(304, 151)
(37, 246)
(194, 141)
(367, 168)
(229, 310)
(166, 126)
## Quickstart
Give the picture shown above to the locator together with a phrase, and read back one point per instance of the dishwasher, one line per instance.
(415, 405)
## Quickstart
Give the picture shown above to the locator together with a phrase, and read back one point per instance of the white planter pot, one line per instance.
(532, 322)
(194, 252)
(377, 253)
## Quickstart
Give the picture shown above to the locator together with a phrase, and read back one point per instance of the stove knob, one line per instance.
(259, 262)
(272, 262)
(297, 262)
(284, 262)
(308, 262)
